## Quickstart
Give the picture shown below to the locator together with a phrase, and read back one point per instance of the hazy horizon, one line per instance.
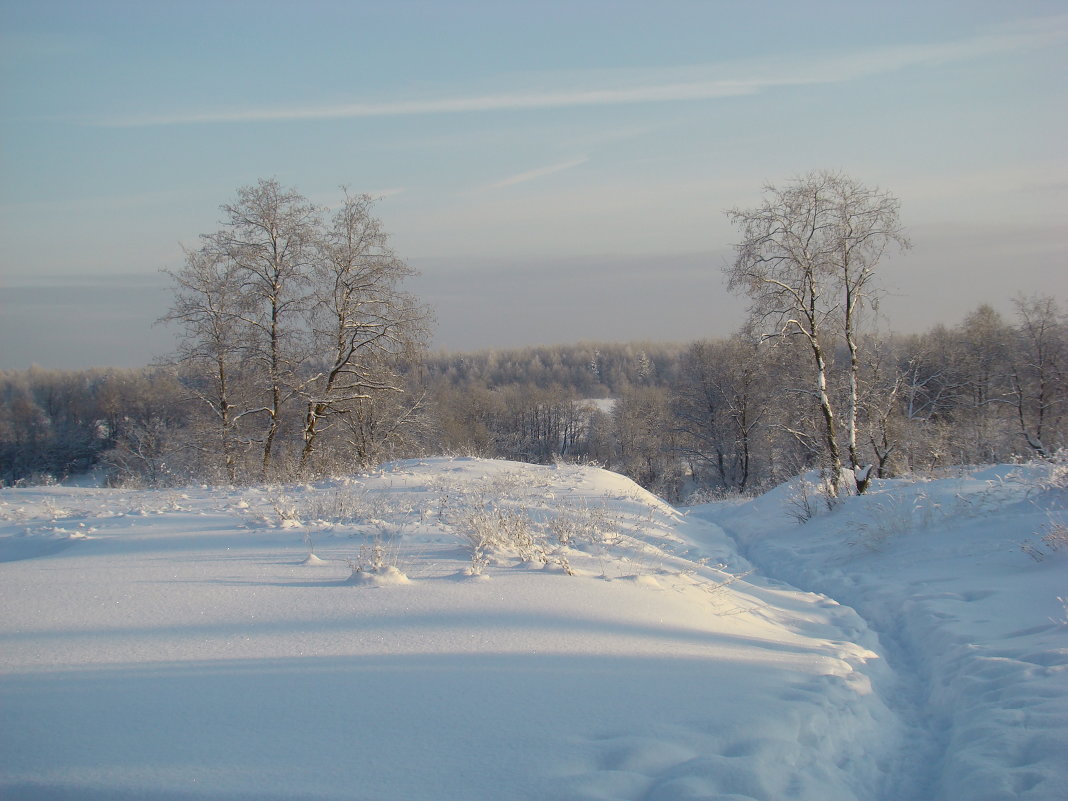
(72, 320)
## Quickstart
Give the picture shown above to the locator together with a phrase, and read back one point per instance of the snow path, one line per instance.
(917, 766)
(937, 571)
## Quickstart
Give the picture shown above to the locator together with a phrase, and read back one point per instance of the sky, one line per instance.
(556, 171)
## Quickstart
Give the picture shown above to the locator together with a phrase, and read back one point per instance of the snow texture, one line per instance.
(472, 629)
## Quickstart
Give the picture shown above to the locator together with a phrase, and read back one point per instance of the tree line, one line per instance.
(715, 414)
(300, 355)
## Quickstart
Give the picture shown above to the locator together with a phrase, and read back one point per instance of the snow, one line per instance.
(473, 629)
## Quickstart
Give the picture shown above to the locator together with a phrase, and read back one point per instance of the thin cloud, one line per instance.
(541, 172)
(500, 102)
(702, 82)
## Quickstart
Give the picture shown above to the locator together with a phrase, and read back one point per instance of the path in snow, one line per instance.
(973, 627)
(915, 769)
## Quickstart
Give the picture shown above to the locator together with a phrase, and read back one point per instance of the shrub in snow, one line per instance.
(286, 509)
(310, 543)
(477, 542)
(894, 514)
(1058, 474)
(383, 577)
(376, 565)
(491, 529)
(485, 529)
(810, 496)
(584, 525)
(1055, 539)
(341, 505)
(375, 557)
(1050, 492)
(703, 495)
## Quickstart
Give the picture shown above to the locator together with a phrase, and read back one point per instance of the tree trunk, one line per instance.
(834, 454)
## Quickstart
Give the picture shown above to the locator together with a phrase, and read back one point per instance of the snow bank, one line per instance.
(191, 647)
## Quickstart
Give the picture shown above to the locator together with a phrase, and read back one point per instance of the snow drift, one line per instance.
(471, 629)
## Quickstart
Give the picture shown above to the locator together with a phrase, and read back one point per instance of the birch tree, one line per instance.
(270, 235)
(807, 260)
(359, 319)
(208, 305)
(289, 317)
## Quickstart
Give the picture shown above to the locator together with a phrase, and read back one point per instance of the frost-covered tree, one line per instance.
(1039, 373)
(385, 425)
(209, 306)
(290, 316)
(359, 319)
(270, 235)
(980, 356)
(807, 260)
(644, 439)
(719, 406)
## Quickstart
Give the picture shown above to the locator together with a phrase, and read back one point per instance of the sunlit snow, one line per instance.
(472, 629)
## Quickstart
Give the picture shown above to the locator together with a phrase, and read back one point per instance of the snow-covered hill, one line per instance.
(470, 629)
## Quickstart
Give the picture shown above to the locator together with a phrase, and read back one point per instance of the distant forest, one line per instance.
(730, 415)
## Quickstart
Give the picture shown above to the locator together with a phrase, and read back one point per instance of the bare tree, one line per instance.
(644, 439)
(209, 306)
(1039, 372)
(270, 235)
(289, 318)
(360, 320)
(980, 355)
(807, 260)
(884, 384)
(384, 426)
(719, 405)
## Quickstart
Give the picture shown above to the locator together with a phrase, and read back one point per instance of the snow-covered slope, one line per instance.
(965, 579)
(523, 632)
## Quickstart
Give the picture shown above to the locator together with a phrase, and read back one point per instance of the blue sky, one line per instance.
(556, 171)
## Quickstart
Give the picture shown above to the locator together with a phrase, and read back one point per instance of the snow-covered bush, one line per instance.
(286, 508)
(1053, 540)
(378, 561)
(378, 556)
(811, 494)
(703, 495)
(478, 537)
(894, 514)
(487, 530)
(510, 532)
(584, 525)
(1056, 537)
(342, 504)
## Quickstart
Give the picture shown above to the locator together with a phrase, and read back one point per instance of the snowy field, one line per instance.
(468, 629)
